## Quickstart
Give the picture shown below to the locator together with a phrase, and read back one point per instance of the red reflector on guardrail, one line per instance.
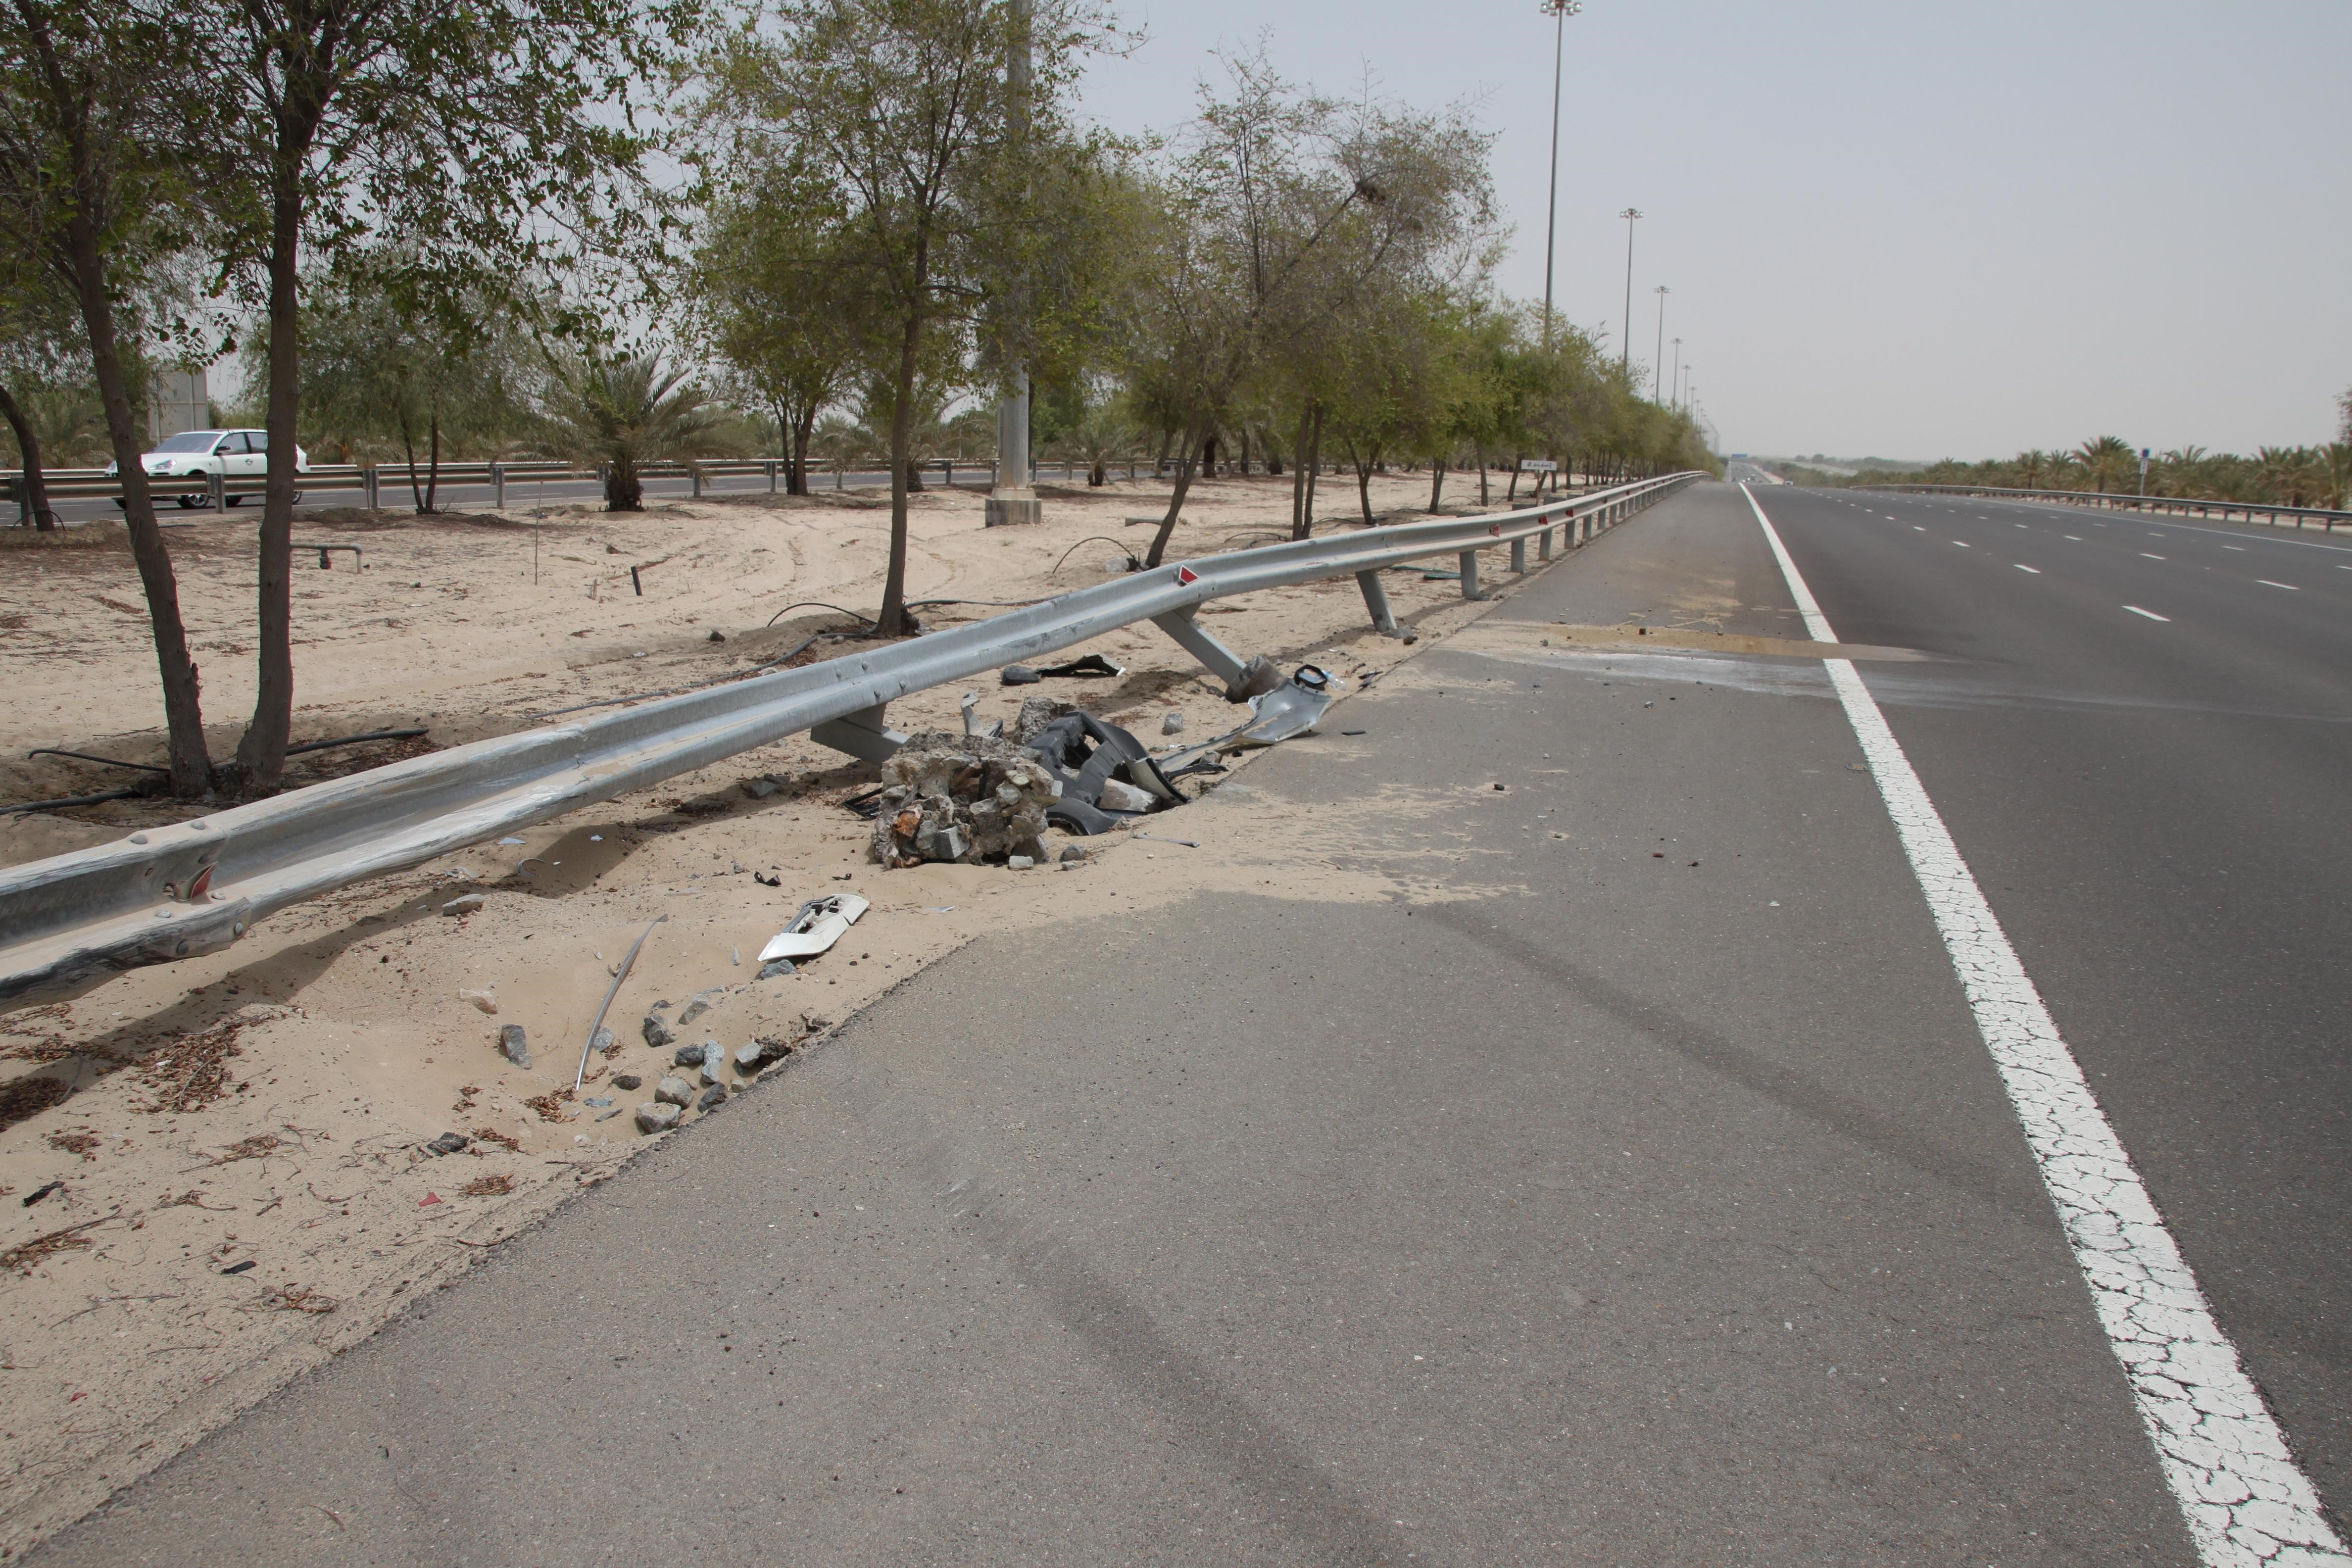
(1186, 574)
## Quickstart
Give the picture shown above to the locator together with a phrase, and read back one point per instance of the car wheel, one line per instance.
(190, 502)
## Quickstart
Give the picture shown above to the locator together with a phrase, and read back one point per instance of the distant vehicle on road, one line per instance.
(234, 455)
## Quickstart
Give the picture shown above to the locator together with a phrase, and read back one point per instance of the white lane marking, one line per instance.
(2075, 537)
(2245, 1500)
(2022, 567)
(2145, 555)
(2268, 583)
(1916, 529)
(1961, 543)
(2151, 614)
(2239, 547)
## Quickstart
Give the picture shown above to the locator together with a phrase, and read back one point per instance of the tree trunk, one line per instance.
(1436, 481)
(190, 761)
(892, 621)
(796, 482)
(1298, 474)
(1511, 496)
(432, 468)
(36, 492)
(261, 753)
(1176, 502)
(1364, 465)
(1160, 464)
(1245, 448)
(1313, 461)
(623, 491)
(1209, 455)
(1482, 476)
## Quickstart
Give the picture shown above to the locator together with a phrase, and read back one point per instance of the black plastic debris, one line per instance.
(1018, 675)
(869, 804)
(1092, 759)
(449, 1143)
(241, 1268)
(1092, 665)
(37, 1193)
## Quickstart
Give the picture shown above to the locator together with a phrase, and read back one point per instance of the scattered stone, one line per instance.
(1118, 794)
(673, 1091)
(627, 1080)
(657, 1117)
(1019, 675)
(516, 1044)
(608, 1115)
(712, 1097)
(604, 1040)
(777, 967)
(960, 798)
(1172, 725)
(686, 1056)
(714, 1070)
(600, 1104)
(485, 999)
(1019, 862)
(812, 1022)
(449, 1143)
(718, 636)
(659, 1033)
(464, 904)
(699, 1003)
(760, 1053)
(760, 788)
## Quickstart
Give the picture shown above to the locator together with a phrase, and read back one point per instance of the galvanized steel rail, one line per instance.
(69, 922)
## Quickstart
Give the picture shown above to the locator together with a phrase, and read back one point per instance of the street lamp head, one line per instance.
(1631, 213)
(1662, 289)
(1561, 7)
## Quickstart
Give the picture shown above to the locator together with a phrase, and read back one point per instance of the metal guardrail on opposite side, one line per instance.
(194, 886)
(2185, 506)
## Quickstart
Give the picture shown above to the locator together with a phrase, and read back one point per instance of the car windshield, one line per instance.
(189, 441)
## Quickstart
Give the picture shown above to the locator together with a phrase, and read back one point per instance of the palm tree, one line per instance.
(2338, 459)
(2106, 460)
(623, 414)
(2030, 467)
(1101, 433)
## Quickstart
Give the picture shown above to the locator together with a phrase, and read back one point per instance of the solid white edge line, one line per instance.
(2268, 583)
(2245, 1499)
(2151, 614)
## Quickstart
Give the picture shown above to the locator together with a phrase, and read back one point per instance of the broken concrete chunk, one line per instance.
(485, 998)
(516, 1044)
(1019, 862)
(657, 1117)
(701, 1003)
(1118, 794)
(1075, 852)
(673, 1091)
(464, 904)
(960, 798)
(759, 788)
(775, 968)
(603, 1039)
(1173, 724)
(659, 1033)
(1036, 714)
(1257, 677)
(712, 1097)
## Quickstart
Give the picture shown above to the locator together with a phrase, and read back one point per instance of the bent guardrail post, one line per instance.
(1197, 640)
(1376, 602)
(862, 734)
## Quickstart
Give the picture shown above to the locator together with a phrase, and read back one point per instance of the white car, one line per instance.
(234, 455)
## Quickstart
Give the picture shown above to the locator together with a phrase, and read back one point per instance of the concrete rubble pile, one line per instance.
(962, 798)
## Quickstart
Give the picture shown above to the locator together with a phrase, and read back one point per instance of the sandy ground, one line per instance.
(271, 1105)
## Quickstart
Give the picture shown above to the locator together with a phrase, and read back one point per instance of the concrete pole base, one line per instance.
(1007, 506)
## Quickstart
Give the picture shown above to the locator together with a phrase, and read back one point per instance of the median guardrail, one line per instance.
(2183, 506)
(165, 893)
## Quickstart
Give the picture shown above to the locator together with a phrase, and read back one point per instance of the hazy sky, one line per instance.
(1896, 230)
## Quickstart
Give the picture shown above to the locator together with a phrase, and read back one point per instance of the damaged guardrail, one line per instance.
(69, 922)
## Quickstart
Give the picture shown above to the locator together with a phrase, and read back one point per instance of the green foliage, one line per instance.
(624, 415)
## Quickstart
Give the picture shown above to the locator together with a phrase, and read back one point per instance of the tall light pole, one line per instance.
(1658, 364)
(1626, 343)
(1559, 11)
(1678, 373)
(1012, 499)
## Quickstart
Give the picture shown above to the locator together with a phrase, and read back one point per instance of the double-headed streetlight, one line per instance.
(1559, 11)
(1658, 364)
(1626, 343)
(1678, 373)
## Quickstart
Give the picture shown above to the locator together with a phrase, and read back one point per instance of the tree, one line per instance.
(946, 196)
(625, 414)
(488, 137)
(2106, 461)
(92, 188)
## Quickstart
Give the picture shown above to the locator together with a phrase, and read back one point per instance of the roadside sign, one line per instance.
(1538, 466)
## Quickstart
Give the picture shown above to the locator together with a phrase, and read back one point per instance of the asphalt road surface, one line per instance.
(1653, 1199)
